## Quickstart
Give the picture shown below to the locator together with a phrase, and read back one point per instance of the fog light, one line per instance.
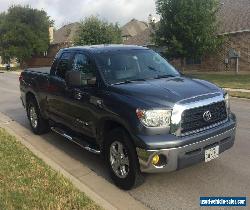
(155, 159)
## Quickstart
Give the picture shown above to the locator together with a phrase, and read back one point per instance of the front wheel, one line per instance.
(122, 160)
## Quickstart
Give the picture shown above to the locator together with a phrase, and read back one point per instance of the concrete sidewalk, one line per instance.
(237, 90)
(95, 187)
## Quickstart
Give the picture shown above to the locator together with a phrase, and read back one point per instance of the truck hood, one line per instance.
(165, 92)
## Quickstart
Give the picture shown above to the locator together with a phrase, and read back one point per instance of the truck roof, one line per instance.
(105, 48)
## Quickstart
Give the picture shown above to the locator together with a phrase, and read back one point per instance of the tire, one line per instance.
(38, 124)
(128, 175)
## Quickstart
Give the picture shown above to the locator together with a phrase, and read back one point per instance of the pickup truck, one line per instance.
(131, 107)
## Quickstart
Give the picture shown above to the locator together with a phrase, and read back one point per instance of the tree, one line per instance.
(24, 33)
(187, 27)
(5, 58)
(93, 30)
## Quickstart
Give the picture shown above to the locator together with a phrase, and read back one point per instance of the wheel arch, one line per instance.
(106, 126)
(31, 95)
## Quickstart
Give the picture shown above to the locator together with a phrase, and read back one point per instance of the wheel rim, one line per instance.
(119, 160)
(33, 117)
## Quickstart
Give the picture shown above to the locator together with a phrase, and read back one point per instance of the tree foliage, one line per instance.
(188, 27)
(23, 32)
(93, 30)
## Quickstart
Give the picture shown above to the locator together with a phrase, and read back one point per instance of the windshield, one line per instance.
(133, 65)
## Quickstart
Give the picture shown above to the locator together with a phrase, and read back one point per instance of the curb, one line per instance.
(12, 72)
(237, 90)
(82, 185)
(239, 98)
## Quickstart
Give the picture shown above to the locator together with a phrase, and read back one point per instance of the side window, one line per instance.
(82, 63)
(63, 65)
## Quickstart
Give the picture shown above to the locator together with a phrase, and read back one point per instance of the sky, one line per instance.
(67, 11)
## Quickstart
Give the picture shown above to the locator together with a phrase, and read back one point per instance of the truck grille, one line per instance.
(193, 119)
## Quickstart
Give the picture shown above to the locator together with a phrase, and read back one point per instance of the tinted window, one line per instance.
(63, 65)
(126, 65)
(82, 63)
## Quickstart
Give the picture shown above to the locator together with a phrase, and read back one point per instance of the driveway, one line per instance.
(227, 176)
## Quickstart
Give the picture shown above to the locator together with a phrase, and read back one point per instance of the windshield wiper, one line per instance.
(152, 69)
(164, 76)
(128, 81)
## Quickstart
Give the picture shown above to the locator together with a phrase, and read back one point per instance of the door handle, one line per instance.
(78, 96)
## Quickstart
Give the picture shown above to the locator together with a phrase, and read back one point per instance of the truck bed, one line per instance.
(43, 70)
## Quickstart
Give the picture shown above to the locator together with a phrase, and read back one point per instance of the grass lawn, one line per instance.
(239, 94)
(26, 182)
(226, 80)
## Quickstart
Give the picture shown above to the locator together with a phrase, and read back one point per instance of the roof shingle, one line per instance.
(66, 33)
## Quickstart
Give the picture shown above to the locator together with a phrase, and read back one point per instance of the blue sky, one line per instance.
(66, 11)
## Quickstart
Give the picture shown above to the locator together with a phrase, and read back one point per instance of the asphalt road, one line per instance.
(229, 175)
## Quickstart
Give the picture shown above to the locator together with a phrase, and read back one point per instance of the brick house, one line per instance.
(61, 38)
(133, 28)
(234, 19)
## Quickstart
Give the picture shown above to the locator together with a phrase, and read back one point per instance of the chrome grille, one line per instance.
(193, 120)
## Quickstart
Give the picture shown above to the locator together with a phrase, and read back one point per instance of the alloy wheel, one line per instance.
(33, 117)
(119, 159)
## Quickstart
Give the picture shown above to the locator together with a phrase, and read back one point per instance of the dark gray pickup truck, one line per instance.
(130, 105)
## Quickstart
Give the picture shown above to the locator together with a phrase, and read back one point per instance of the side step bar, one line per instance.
(83, 144)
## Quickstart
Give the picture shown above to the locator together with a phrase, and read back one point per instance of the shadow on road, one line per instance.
(92, 161)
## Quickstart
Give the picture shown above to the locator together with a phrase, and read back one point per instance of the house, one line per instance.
(234, 20)
(143, 38)
(64, 37)
(133, 28)
(61, 38)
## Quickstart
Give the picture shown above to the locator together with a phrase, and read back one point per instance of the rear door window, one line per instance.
(63, 65)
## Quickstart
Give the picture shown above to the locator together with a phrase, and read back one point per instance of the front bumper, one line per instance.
(189, 154)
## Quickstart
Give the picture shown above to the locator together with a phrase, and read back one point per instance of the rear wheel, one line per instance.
(38, 124)
(122, 160)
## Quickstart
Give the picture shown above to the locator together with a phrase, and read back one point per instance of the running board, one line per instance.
(83, 144)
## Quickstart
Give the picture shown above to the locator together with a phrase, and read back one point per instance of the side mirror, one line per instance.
(73, 78)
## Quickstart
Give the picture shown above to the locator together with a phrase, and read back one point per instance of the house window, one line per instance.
(193, 61)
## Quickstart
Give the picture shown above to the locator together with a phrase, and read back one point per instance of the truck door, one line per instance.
(83, 103)
(57, 89)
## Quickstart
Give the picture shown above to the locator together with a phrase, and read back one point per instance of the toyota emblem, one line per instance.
(207, 116)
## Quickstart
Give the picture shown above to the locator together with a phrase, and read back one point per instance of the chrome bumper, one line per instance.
(180, 157)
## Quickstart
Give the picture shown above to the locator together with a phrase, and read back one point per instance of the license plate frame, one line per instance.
(212, 153)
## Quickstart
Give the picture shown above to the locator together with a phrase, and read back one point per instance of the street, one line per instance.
(229, 175)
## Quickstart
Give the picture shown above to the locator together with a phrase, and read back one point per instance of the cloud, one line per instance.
(66, 11)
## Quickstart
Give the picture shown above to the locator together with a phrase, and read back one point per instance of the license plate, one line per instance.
(211, 154)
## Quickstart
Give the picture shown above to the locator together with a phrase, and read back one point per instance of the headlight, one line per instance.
(154, 118)
(227, 101)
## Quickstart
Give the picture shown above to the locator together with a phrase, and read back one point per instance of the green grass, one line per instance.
(26, 182)
(226, 80)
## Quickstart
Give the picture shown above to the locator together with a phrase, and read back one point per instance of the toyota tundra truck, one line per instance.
(129, 105)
